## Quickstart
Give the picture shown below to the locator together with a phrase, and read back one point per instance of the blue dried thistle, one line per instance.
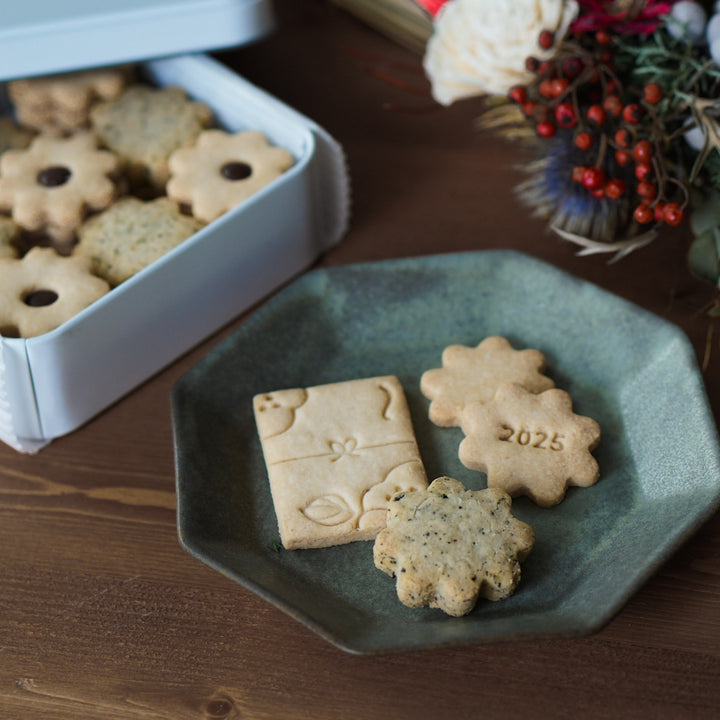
(550, 191)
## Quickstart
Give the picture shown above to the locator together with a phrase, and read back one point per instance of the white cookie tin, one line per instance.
(53, 383)
(38, 37)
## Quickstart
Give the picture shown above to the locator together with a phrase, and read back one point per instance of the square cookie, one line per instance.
(335, 455)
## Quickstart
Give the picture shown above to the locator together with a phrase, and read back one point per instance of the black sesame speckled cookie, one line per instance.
(447, 546)
(131, 234)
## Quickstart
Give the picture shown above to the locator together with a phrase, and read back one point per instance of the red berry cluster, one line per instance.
(614, 128)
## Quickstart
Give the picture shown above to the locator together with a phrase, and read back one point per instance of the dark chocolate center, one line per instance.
(235, 170)
(9, 331)
(40, 298)
(53, 176)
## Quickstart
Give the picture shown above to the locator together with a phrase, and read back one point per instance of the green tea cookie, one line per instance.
(9, 233)
(145, 125)
(131, 234)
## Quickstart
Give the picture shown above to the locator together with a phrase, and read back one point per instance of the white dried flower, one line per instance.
(479, 47)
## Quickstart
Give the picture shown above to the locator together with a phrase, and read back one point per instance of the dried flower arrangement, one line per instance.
(617, 102)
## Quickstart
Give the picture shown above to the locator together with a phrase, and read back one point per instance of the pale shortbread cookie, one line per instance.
(471, 375)
(52, 184)
(221, 170)
(60, 104)
(335, 455)
(530, 444)
(42, 290)
(446, 546)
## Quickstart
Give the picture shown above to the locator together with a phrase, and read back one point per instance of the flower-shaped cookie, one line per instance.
(60, 104)
(52, 184)
(447, 546)
(221, 170)
(145, 125)
(43, 290)
(131, 234)
(473, 375)
(531, 444)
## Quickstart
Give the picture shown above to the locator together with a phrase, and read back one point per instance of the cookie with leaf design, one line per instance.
(335, 455)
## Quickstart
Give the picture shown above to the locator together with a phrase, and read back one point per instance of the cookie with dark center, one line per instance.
(222, 170)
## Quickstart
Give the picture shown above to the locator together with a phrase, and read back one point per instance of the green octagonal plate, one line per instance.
(635, 373)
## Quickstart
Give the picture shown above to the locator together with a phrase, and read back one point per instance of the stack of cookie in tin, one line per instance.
(101, 174)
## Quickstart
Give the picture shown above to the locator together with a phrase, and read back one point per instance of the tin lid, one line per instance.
(41, 37)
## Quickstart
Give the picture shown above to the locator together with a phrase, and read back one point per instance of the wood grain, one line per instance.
(104, 617)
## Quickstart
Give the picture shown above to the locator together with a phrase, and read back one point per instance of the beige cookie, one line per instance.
(42, 290)
(335, 454)
(471, 375)
(60, 104)
(9, 233)
(51, 185)
(145, 125)
(447, 546)
(131, 234)
(13, 137)
(222, 170)
(530, 444)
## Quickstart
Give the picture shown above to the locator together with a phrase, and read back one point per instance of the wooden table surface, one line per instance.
(104, 616)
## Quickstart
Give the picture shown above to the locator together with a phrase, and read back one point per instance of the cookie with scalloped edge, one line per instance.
(42, 290)
(60, 104)
(221, 170)
(473, 374)
(447, 546)
(530, 443)
(144, 125)
(54, 183)
(131, 234)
